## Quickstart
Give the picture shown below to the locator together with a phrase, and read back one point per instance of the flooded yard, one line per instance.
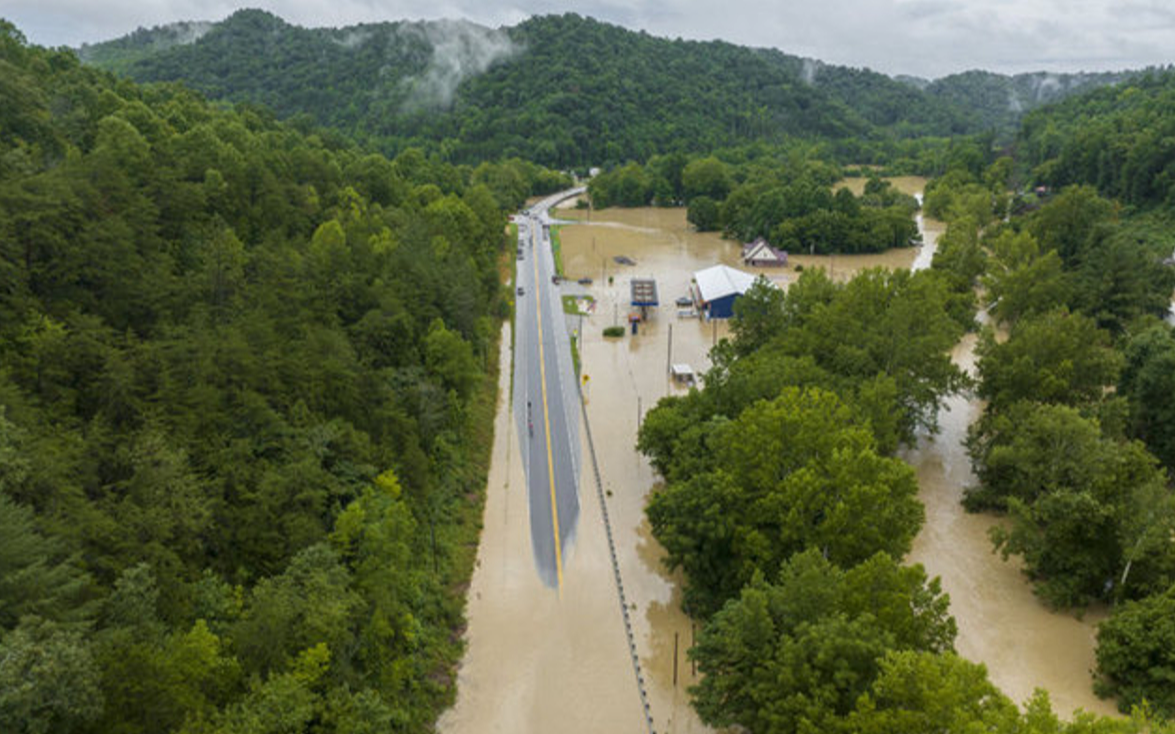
(538, 661)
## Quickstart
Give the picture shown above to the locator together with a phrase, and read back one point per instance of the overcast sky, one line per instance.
(927, 38)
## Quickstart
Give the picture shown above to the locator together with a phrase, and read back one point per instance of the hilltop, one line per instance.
(998, 101)
(563, 90)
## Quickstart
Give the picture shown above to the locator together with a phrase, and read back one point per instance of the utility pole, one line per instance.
(669, 357)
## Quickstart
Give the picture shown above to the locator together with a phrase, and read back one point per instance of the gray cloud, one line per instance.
(923, 37)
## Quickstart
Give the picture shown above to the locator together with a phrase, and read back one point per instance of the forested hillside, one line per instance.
(560, 90)
(998, 101)
(120, 53)
(245, 397)
(1120, 139)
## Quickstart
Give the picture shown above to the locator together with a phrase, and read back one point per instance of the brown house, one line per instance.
(761, 254)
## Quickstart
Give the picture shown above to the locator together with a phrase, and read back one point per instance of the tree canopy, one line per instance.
(561, 90)
(244, 402)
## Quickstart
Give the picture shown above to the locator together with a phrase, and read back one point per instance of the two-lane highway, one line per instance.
(544, 389)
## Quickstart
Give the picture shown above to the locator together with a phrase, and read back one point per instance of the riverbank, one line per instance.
(1001, 622)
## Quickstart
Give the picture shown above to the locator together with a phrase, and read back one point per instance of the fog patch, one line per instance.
(157, 38)
(1047, 85)
(353, 38)
(185, 33)
(808, 71)
(460, 50)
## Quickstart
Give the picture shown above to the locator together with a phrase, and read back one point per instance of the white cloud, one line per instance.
(925, 37)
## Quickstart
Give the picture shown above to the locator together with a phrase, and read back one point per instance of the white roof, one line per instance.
(721, 281)
(760, 250)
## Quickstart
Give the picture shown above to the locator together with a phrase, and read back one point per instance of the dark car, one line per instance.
(521, 291)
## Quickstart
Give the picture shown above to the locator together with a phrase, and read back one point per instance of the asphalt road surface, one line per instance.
(544, 402)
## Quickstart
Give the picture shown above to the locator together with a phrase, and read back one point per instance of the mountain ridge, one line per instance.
(560, 89)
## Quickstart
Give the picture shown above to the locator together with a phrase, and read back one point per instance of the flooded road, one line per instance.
(540, 662)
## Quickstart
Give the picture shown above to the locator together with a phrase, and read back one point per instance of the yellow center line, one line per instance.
(547, 419)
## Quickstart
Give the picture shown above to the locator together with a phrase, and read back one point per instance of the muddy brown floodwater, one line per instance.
(1001, 623)
(538, 661)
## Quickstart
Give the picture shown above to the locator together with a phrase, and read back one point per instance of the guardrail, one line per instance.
(636, 663)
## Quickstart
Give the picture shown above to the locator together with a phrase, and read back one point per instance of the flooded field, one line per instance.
(537, 661)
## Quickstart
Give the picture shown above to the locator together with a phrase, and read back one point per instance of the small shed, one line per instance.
(715, 290)
(762, 254)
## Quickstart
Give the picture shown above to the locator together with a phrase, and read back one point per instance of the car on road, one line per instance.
(521, 291)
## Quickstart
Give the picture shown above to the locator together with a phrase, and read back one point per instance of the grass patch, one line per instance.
(575, 356)
(613, 331)
(571, 305)
(557, 251)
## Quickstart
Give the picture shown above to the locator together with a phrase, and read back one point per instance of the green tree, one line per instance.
(286, 703)
(1119, 282)
(36, 577)
(801, 651)
(706, 177)
(1136, 653)
(48, 680)
(310, 603)
(920, 693)
(450, 358)
(1091, 516)
(959, 252)
(1054, 357)
(374, 536)
(205, 354)
(1071, 222)
(1021, 280)
(704, 214)
(758, 317)
(792, 473)
(1148, 383)
(890, 323)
